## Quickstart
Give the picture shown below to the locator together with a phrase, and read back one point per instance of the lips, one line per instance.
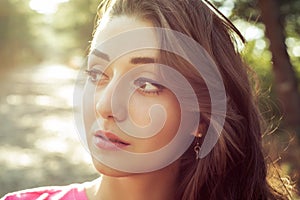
(108, 141)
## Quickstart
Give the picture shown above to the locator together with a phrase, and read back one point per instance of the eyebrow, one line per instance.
(142, 60)
(100, 54)
(134, 60)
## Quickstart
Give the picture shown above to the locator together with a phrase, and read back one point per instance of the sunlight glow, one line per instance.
(248, 30)
(296, 51)
(60, 125)
(227, 8)
(293, 46)
(45, 6)
(54, 73)
(16, 157)
(260, 44)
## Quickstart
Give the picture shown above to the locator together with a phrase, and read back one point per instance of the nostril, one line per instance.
(119, 115)
(105, 111)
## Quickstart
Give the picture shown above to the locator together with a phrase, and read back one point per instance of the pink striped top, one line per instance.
(69, 192)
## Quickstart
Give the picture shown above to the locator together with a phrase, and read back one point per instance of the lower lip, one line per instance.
(107, 145)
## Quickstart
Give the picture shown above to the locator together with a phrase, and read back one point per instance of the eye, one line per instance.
(96, 75)
(148, 86)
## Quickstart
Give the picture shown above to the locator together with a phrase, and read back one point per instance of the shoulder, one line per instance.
(69, 192)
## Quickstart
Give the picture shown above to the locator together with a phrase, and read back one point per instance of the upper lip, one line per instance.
(110, 136)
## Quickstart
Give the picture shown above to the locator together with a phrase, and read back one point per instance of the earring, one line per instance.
(197, 146)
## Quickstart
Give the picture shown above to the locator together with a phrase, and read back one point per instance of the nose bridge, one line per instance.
(104, 102)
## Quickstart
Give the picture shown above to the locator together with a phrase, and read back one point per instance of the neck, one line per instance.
(158, 185)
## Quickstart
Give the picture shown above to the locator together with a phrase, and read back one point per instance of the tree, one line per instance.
(286, 85)
(281, 19)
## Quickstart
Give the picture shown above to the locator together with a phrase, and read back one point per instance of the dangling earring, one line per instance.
(197, 146)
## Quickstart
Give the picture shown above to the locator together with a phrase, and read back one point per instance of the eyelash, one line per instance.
(95, 75)
(138, 83)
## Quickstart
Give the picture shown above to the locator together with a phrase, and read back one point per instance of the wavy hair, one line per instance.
(236, 167)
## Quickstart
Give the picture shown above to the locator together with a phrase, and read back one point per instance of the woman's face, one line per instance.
(115, 115)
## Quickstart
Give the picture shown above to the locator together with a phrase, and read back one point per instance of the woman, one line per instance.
(168, 110)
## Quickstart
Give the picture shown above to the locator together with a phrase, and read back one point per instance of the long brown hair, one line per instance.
(235, 168)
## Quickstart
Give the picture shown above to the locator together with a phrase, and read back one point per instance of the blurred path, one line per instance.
(39, 142)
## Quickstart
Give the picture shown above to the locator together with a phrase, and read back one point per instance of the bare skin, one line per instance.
(158, 185)
(114, 184)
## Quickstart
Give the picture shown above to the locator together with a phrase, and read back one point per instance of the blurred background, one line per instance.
(43, 44)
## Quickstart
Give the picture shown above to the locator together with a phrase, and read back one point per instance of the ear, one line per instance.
(202, 128)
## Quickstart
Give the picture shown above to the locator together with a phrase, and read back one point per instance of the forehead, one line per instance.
(123, 34)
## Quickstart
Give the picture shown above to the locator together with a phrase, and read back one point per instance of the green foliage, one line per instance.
(75, 30)
(249, 12)
(258, 59)
(27, 36)
(16, 37)
(290, 9)
(258, 56)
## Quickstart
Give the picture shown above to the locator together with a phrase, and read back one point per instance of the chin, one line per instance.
(107, 171)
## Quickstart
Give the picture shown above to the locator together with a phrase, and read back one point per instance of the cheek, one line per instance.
(139, 109)
(172, 122)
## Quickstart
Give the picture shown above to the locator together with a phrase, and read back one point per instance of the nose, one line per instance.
(106, 107)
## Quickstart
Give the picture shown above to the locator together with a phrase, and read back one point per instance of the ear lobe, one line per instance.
(202, 128)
